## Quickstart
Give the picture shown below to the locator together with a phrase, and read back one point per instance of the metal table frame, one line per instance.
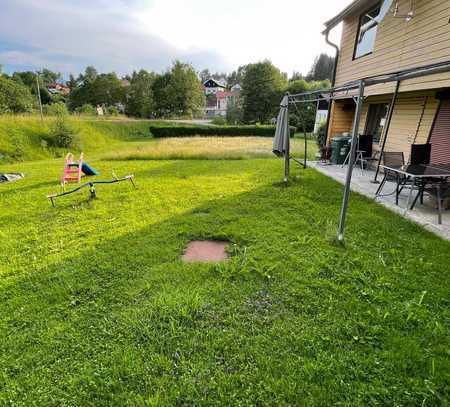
(428, 171)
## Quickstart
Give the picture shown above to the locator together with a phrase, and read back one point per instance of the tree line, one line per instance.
(177, 92)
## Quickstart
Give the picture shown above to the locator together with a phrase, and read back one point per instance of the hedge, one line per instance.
(225, 131)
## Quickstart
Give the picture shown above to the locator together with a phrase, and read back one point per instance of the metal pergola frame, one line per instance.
(355, 90)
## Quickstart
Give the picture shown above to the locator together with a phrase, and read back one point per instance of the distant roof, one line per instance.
(217, 83)
(354, 7)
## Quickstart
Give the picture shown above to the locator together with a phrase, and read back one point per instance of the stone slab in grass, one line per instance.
(205, 251)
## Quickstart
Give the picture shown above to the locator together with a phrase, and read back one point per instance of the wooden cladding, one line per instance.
(399, 45)
(440, 135)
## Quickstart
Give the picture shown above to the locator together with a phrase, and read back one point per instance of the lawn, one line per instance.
(98, 310)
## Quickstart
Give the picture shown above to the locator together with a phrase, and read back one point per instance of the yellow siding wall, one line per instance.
(411, 123)
(400, 45)
(341, 120)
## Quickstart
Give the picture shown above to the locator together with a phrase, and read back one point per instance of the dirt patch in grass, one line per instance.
(206, 251)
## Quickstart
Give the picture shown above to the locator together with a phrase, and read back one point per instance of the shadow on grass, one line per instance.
(291, 319)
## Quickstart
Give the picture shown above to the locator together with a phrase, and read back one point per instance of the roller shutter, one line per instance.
(440, 135)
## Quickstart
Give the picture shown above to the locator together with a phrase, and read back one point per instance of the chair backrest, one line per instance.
(393, 158)
(420, 154)
(365, 144)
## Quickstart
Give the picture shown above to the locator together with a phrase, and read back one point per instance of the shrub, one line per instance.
(225, 131)
(61, 134)
(112, 111)
(218, 121)
(56, 109)
(87, 109)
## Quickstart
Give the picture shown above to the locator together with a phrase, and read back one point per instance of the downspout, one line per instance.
(333, 78)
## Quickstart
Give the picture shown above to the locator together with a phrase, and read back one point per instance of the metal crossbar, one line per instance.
(92, 190)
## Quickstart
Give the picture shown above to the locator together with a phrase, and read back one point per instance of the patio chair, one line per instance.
(420, 154)
(439, 190)
(363, 151)
(391, 159)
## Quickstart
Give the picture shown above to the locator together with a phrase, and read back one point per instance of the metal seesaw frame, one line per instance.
(345, 92)
(91, 185)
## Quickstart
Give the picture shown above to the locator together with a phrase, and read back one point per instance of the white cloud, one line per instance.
(123, 35)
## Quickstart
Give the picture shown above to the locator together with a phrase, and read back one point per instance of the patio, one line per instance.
(425, 215)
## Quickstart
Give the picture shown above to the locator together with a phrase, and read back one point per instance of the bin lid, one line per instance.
(341, 138)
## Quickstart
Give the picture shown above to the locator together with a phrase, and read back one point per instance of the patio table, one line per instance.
(414, 173)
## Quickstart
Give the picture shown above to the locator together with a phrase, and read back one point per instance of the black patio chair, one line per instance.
(440, 190)
(420, 154)
(392, 159)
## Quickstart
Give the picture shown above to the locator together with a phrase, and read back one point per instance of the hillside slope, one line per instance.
(23, 138)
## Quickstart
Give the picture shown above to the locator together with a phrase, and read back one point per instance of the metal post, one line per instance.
(357, 119)
(386, 130)
(287, 147)
(305, 141)
(39, 96)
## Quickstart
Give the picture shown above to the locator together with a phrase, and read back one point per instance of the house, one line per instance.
(217, 104)
(58, 89)
(212, 86)
(321, 115)
(381, 37)
(236, 88)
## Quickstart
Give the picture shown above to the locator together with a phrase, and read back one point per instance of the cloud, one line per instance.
(125, 35)
(67, 35)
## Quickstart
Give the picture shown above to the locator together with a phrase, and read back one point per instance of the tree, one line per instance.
(105, 89)
(140, 95)
(321, 69)
(296, 76)
(304, 115)
(49, 77)
(14, 97)
(184, 90)
(28, 78)
(160, 97)
(204, 75)
(72, 82)
(234, 111)
(235, 77)
(263, 85)
(90, 74)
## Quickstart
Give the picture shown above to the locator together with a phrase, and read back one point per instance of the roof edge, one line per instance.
(356, 5)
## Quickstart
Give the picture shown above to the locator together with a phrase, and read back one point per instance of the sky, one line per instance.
(126, 35)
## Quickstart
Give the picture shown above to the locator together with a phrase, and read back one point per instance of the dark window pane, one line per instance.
(367, 32)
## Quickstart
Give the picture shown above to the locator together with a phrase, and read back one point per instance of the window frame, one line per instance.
(361, 16)
(368, 119)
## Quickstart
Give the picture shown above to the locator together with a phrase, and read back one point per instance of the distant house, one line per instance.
(236, 88)
(217, 104)
(125, 83)
(58, 89)
(321, 115)
(211, 86)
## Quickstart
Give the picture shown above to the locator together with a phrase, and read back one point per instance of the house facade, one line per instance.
(211, 86)
(380, 37)
(58, 89)
(217, 104)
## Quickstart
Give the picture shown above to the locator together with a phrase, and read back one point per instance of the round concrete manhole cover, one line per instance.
(206, 251)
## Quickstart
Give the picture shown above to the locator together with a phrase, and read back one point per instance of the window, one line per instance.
(367, 32)
(376, 119)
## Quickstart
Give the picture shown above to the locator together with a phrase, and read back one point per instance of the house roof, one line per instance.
(217, 83)
(357, 6)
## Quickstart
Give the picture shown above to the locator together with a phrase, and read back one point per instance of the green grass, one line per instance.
(98, 310)
(21, 137)
(206, 148)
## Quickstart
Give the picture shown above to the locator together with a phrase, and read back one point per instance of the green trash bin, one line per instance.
(340, 146)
